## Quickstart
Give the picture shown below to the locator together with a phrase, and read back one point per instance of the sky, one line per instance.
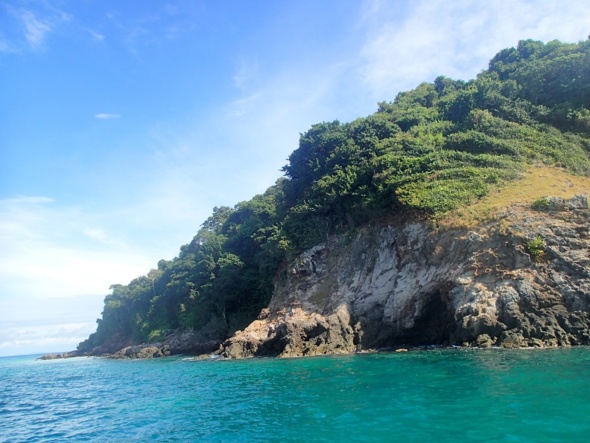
(122, 124)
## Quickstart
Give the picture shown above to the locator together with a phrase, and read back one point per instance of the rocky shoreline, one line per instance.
(521, 280)
(176, 343)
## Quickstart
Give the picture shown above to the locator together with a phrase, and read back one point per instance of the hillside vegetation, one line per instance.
(433, 150)
(531, 188)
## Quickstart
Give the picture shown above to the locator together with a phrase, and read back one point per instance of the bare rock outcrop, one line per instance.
(521, 280)
(60, 355)
(175, 343)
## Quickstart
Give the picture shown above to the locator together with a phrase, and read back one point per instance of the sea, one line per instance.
(439, 395)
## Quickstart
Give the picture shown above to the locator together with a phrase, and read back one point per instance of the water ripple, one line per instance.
(444, 395)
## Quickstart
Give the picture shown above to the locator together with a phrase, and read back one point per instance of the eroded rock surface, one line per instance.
(521, 280)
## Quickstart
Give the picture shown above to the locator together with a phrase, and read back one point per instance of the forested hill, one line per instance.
(437, 147)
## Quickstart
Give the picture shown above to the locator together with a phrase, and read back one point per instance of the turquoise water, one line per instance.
(439, 396)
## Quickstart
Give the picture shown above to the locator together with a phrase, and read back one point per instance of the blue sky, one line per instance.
(124, 123)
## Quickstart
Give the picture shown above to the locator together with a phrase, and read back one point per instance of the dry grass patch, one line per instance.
(537, 182)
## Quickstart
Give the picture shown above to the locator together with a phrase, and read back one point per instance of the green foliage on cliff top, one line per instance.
(433, 149)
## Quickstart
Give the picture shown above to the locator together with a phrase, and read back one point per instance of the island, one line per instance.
(456, 215)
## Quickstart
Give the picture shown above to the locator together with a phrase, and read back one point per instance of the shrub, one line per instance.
(541, 204)
(156, 335)
(536, 248)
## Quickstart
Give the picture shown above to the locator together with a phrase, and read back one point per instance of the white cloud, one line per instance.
(35, 29)
(49, 251)
(30, 324)
(456, 39)
(32, 27)
(105, 116)
(96, 36)
(42, 338)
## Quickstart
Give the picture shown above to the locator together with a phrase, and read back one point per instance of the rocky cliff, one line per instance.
(516, 275)
(520, 280)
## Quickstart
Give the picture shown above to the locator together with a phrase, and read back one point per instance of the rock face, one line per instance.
(521, 280)
(178, 342)
(192, 343)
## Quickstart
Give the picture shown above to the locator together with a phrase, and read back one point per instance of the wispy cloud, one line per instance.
(96, 35)
(437, 37)
(48, 250)
(105, 116)
(242, 105)
(245, 74)
(35, 29)
(32, 26)
(41, 338)
(72, 319)
(163, 23)
(58, 261)
(5, 46)
(98, 235)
